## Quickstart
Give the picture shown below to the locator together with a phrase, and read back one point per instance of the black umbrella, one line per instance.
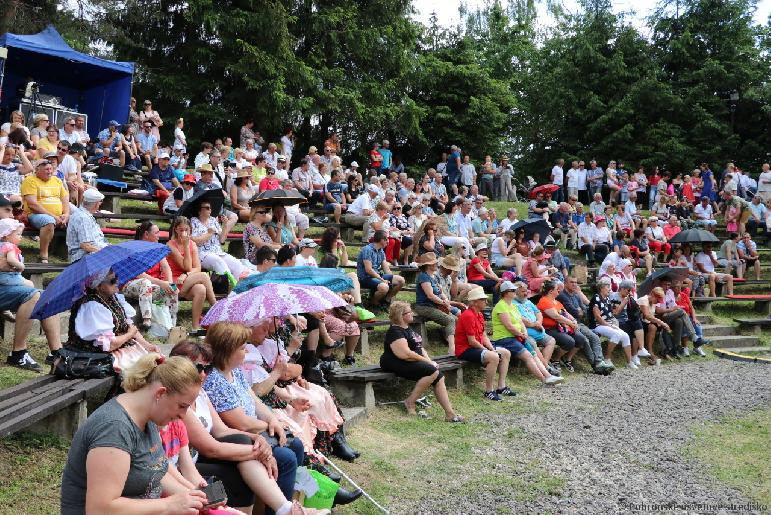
(677, 273)
(694, 236)
(215, 197)
(531, 226)
(279, 197)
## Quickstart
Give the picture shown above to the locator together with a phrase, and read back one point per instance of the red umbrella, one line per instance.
(543, 188)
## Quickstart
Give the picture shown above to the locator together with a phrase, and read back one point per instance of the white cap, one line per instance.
(481, 246)
(164, 155)
(92, 195)
(372, 188)
(354, 163)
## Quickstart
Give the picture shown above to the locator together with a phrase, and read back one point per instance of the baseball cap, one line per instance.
(164, 155)
(307, 243)
(189, 177)
(113, 123)
(354, 163)
(507, 286)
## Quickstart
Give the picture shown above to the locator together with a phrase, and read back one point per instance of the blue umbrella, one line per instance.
(331, 278)
(127, 260)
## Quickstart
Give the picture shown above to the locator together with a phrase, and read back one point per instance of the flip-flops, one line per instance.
(457, 419)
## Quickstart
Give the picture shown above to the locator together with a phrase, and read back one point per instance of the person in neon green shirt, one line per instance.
(510, 333)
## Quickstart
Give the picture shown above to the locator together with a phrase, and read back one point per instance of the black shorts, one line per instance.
(239, 493)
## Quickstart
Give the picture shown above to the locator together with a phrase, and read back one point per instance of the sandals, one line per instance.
(44, 260)
(335, 345)
(420, 413)
(457, 419)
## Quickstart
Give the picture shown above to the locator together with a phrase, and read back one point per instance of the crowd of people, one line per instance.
(250, 404)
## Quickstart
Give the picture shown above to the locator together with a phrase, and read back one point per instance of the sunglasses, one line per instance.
(148, 126)
(262, 212)
(60, 149)
(113, 280)
(206, 207)
(206, 369)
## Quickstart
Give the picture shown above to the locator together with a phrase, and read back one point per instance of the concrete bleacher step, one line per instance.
(711, 330)
(735, 341)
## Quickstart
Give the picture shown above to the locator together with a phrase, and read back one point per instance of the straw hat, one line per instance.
(476, 294)
(429, 258)
(450, 263)
(243, 172)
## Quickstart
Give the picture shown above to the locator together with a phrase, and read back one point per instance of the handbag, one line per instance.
(76, 364)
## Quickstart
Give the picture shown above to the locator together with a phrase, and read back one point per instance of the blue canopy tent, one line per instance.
(86, 84)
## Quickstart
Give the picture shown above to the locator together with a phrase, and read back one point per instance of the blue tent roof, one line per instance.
(50, 42)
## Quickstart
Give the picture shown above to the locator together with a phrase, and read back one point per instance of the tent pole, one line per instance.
(3, 57)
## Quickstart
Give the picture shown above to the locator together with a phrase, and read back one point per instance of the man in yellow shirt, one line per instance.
(46, 203)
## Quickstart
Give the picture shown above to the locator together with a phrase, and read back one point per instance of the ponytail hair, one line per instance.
(176, 374)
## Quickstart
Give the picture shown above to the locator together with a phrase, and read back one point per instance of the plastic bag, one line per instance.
(161, 320)
(325, 497)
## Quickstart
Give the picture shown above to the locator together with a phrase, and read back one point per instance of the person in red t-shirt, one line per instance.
(472, 344)
(269, 182)
(683, 300)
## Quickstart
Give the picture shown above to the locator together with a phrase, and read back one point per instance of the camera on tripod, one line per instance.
(31, 89)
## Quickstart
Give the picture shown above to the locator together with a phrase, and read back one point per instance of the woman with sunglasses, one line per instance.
(243, 461)
(40, 124)
(102, 321)
(193, 284)
(256, 234)
(399, 222)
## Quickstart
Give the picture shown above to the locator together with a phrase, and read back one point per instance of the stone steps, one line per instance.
(711, 330)
(735, 341)
(750, 350)
(354, 416)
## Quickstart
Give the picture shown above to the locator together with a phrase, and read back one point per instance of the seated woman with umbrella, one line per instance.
(207, 233)
(102, 320)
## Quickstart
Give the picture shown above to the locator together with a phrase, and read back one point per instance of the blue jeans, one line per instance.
(40, 220)
(652, 193)
(288, 459)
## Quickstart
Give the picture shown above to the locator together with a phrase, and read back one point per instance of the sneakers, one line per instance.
(686, 352)
(508, 392)
(492, 395)
(608, 363)
(636, 360)
(552, 380)
(643, 353)
(602, 368)
(567, 364)
(699, 352)
(23, 360)
(632, 365)
(553, 371)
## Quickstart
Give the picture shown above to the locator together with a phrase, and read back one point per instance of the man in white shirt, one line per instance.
(583, 195)
(511, 219)
(468, 173)
(362, 207)
(203, 155)
(558, 178)
(68, 132)
(271, 156)
(464, 221)
(764, 183)
(757, 217)
(586, 238)
(703, 214)
(573, 176)
(705, 262)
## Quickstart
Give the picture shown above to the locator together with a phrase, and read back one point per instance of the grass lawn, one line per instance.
(733, 451)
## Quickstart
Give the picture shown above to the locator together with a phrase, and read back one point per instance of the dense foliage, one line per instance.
(591, 86)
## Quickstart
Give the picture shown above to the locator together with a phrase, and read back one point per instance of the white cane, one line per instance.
(363, 492)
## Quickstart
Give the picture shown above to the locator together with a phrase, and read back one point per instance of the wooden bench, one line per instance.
(418, 325)
(47, 403)
(137, 217)
(755, 325)
(355, 386)
(34, 271)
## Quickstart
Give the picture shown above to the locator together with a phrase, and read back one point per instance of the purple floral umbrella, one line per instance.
(271, 300)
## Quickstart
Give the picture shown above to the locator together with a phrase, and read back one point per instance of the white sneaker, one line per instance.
(553, 380)
(631, 365)
(636, 360)
(699, 352)
(686, 353)
(609, 364)
(658, 361)
(643, 353)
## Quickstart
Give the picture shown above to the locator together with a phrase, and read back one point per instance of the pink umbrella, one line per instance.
(271, 300)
